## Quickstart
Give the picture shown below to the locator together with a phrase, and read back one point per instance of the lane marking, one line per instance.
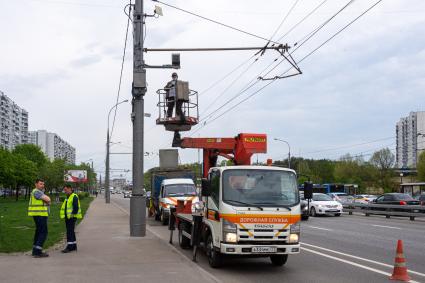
(353, 263)
(389, 227)
(360, 258)
(319, 228)
(202, 270)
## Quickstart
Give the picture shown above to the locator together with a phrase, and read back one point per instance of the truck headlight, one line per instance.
(198, 206)
(294, 236)
(229, 231)
(230, 237)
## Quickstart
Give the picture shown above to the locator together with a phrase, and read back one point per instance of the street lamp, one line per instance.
(289, 151)
(107, 192)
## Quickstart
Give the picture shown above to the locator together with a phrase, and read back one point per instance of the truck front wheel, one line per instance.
(279, 260)
(214, 257)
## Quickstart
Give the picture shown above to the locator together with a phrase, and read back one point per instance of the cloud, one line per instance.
(86, 61)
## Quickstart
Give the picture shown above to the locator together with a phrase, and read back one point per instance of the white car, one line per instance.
(323, 204)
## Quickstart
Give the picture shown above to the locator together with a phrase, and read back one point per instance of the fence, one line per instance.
(410, 211)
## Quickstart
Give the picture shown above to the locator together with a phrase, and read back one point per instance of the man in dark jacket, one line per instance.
(70, 211)
(171, 97)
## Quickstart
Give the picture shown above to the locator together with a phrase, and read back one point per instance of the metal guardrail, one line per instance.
(410, 211)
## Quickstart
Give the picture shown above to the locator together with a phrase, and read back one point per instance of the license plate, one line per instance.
(264, 249)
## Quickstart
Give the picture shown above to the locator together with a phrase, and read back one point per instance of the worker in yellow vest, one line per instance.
(70, 211)
(38, 208)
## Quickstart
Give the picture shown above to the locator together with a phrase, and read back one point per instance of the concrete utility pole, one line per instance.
(107, 193)
(137, 201)
(108, 144)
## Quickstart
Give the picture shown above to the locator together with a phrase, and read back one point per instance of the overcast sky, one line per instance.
(60, 60)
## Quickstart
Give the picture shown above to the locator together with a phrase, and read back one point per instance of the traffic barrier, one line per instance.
(400, 268)
(411, 211)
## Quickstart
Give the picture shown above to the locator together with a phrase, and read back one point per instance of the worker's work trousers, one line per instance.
(70, 233)
(170, 107)
(40, 235)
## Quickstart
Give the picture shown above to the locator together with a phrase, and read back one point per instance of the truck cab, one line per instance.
(173, 190)
(251, 211)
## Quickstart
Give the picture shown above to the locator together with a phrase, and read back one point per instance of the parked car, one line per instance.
(340, 197)
(361, 199)
(127, 194)
(396, 199)
(324, 204)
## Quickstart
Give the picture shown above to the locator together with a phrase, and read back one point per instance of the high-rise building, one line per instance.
(52, 145)
(410, 135)
(14, 123)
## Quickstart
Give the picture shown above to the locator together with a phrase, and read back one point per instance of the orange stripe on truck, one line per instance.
(262, 218)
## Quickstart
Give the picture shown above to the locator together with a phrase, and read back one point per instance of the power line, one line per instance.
(346, 26)
(122, 69)
(348, 146)
(305, 57)
(216, 22)
(302, 20)
(315, 31)
(311, 34)
(284, 19)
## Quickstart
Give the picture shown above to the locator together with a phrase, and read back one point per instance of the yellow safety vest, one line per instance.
(37, 207)
(69, 205)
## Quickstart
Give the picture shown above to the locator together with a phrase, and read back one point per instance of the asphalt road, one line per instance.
(334, 249)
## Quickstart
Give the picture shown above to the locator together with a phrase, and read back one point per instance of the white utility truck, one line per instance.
(250, 211)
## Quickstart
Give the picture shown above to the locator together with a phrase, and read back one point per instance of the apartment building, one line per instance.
(410, 137)
(14, 123)
(52, 145)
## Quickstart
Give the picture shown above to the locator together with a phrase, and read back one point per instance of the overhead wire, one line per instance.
(302, 20)
(305, 57)
(214, 21)
(316, 30)
(281, 61)
(122, 69)
(284, 19)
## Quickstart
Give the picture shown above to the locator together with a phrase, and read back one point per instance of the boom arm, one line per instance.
(238, 149)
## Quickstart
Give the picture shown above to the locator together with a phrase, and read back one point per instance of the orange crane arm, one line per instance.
(239, 149)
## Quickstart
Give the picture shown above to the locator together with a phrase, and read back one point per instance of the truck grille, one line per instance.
(259, 235)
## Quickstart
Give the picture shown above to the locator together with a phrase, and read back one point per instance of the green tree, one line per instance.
(24, 173)
(383, 161)
(31, 152)
(421, 167)
(53, 174)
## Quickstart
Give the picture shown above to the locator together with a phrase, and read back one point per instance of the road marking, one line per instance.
(389, 227)
(352, 263)
(360, 258)
(319, 228)
(202, 270)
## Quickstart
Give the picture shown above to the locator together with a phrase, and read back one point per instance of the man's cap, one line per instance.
(174, 75)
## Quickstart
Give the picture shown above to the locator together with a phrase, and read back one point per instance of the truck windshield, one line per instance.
(260, 187)
(180, 190)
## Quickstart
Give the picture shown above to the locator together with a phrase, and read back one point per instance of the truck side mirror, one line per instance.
(206, 187)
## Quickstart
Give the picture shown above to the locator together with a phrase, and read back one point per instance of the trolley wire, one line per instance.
(122, 69)
(305, 57)
(214, 21)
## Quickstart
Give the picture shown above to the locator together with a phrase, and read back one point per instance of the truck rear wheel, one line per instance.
(184, 242)
(214, 257)
(278, 260)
